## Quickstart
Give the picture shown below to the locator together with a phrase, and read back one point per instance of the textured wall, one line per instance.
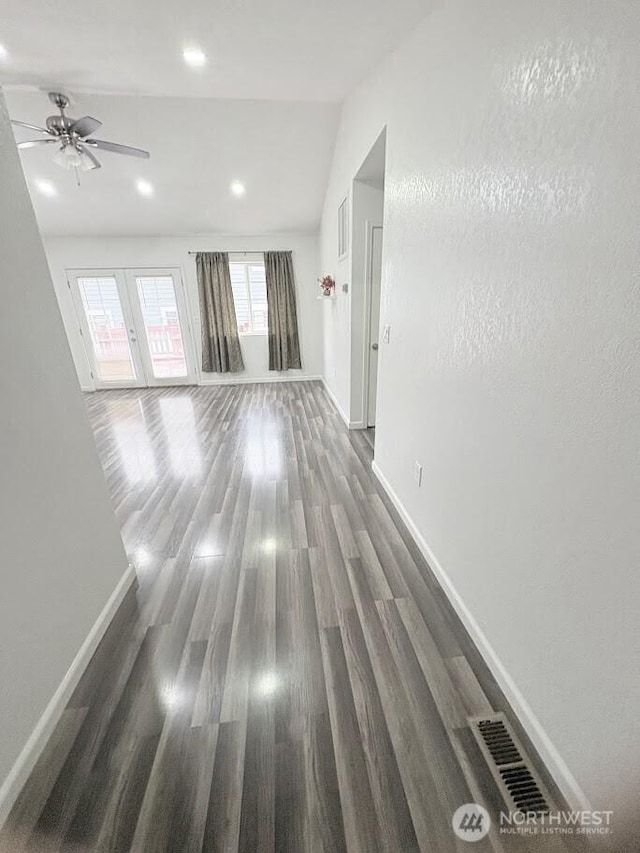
(61, 555)
(511, 282)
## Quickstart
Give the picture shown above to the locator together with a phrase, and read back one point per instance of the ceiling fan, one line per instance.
(72, 136)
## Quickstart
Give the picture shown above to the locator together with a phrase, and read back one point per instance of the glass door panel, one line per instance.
(161, 320)
(134, 326)
(108, 329)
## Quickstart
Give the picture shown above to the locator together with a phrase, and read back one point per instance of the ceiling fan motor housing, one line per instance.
(58, 124)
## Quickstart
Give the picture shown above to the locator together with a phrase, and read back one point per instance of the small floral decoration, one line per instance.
(327, 285)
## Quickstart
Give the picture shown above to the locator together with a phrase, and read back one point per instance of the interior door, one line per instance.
(107, 327)
(162, 329)
(375, 281)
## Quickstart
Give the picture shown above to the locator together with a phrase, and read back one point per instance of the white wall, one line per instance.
(511, 283)
(61, 556)
(123, 252)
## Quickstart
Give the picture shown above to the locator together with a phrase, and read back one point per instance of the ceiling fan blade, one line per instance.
(84, 126)
(117, 149)
(31, 126)
(31, 143)
(96, 163)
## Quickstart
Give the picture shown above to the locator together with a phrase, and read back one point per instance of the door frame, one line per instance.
(368, 281)
(125, 281)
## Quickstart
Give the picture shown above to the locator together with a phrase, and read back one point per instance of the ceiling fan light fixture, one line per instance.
(72, 157)
(68, 157)
(71, 138)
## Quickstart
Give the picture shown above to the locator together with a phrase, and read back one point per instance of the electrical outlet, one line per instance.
(417, 473)
(386, 334)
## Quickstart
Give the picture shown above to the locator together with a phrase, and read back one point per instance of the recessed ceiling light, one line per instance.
(4, 53)
(238, 188)
(194, 57)
(46, 188)
(145, 188)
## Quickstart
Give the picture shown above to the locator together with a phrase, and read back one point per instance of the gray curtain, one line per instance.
(221, 351)
(284, 346)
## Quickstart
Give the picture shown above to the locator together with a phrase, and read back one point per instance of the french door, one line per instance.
(134, 326)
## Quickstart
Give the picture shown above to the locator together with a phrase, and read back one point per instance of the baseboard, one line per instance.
(554, 762)
(262, 380)
(349, 424)
(33, 748)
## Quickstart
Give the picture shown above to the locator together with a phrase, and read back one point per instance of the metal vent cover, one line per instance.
(509, 764)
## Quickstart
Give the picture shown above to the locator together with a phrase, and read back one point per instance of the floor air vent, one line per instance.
(509, 764)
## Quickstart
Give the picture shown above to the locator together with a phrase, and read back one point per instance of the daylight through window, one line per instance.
(250, 297)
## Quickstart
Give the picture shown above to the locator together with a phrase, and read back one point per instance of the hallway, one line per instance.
(288, 675)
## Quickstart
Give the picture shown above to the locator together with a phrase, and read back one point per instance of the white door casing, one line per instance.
(374, 281)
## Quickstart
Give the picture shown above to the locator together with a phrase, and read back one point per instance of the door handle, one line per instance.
(374, 346)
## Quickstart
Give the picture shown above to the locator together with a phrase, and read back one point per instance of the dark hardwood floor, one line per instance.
(287, 676)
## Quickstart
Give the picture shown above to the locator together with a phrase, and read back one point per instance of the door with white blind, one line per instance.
(162, 330)
(134, 326)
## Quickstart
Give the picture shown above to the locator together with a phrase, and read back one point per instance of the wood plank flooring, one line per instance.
(287, 677)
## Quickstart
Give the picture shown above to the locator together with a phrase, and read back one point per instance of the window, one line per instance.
(159, 307)
(107, 328)
(250, 296)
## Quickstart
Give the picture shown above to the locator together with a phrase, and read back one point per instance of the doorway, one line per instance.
(366, 280)
(134, 326)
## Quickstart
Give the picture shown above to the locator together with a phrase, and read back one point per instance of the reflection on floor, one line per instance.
(288, 676)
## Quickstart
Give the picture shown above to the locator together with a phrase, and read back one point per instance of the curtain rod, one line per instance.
(237, 252)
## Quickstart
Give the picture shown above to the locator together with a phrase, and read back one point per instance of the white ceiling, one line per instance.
(272, 49)
(280, 150)
(263, 110)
